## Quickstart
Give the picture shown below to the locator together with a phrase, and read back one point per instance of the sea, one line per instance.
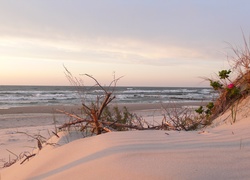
(16, 96)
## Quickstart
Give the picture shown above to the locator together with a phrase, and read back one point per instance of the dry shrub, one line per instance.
(179, 118)
(232, 89)
(240, 64)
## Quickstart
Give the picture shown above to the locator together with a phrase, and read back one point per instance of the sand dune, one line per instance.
(221, 151)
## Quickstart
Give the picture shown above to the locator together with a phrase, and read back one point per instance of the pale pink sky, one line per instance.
(150, 43)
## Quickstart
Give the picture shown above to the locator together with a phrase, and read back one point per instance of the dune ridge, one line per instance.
(220, 151)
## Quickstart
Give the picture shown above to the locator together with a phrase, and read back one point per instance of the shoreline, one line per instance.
(41, 120)
(32, 116)
(76, 109)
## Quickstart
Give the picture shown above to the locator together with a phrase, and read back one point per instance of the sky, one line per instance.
(146, 42)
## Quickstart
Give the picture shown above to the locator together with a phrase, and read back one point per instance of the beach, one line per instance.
(220, 151)
(124, 90)
(43, 120)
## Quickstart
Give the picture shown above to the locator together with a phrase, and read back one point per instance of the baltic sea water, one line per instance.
(16, 96)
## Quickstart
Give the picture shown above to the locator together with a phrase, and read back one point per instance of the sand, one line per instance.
(221, 151)
(76, 109)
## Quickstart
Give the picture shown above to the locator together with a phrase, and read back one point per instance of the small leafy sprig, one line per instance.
(221, 86)
(224, 74)
(233, 91)
(207, 111)
(216, 85)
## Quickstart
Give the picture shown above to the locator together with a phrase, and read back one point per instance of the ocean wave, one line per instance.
(46, 95)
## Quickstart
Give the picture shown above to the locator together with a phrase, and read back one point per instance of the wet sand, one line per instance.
(77, 109)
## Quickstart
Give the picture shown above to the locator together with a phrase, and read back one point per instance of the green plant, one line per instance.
(224, 74)
(207, 112)
(204, 114)
(200, 110)
(233, 92)
(233, 84)
(209, 106)
(216, 85)
(116, 115)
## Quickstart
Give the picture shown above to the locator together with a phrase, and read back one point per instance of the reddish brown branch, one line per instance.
(27, 158)
(105, 123)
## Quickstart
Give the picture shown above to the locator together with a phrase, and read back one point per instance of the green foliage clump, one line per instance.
(205, 113)
(216, 85)
(200, 110)
(233, 92)
(224, 74)
(209, 106)
(230, 89)
(117, 116)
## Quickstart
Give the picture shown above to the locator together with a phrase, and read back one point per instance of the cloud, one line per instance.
(99, 49)
(158, 33)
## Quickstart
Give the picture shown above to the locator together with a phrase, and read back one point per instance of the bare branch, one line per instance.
(96, 82)
(27, 158)
(78, 118)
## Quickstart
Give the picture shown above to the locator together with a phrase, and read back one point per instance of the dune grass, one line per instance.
(233, 85)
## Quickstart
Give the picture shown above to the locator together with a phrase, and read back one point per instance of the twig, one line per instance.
(27, 158)
(55, 134)
(12, 153)
(96, 82)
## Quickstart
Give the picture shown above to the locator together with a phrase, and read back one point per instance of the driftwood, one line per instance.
(93, 113)
(106, 124)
